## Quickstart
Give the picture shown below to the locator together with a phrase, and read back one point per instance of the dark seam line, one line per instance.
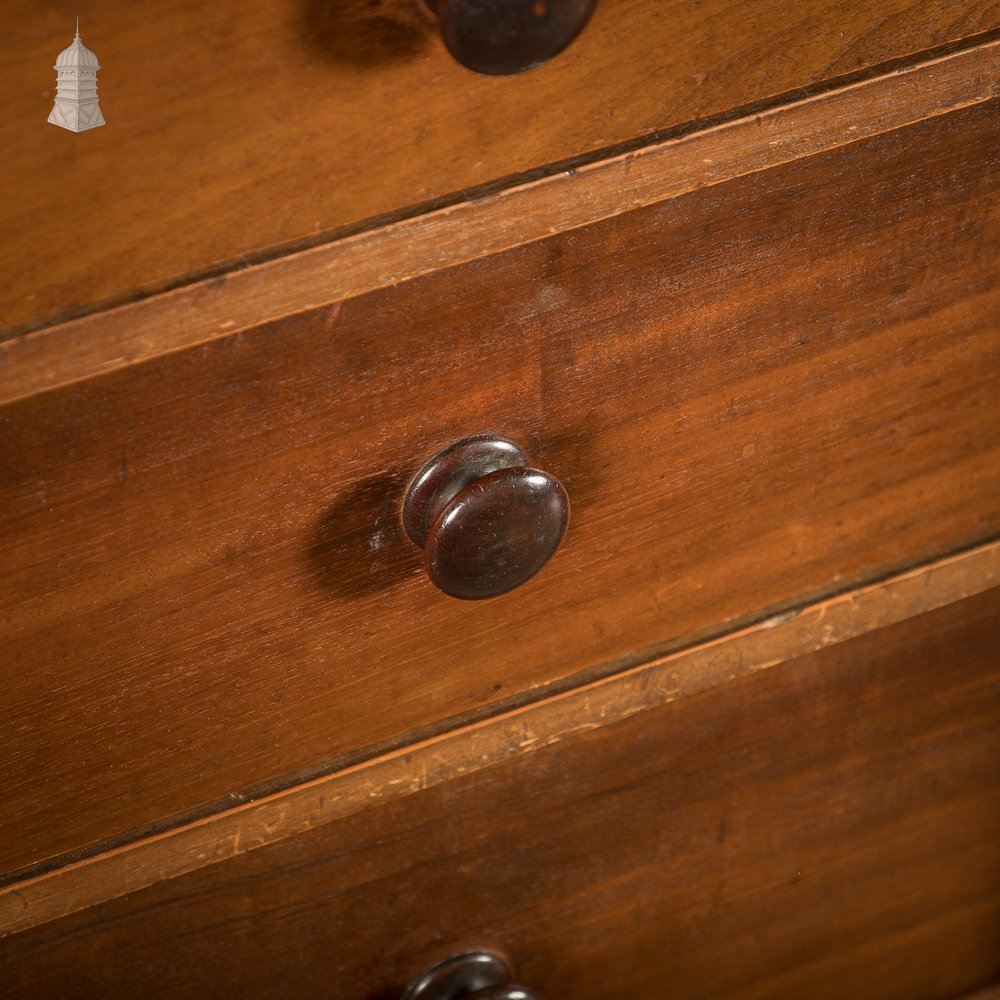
(785, 610)
(490, 188)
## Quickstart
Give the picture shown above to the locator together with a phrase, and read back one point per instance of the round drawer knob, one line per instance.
(475, 975)
(500, 37)
(486, 520)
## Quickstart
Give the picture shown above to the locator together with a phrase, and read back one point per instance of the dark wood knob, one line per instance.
(475, 975)
(486, 520)
(501, 37)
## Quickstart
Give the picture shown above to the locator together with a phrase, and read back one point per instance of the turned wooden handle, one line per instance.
(475, 975)
(486, 520)
(501, 37)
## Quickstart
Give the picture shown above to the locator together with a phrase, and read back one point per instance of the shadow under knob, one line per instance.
(486, 520)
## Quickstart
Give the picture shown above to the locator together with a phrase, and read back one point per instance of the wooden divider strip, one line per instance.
(410, 769)
(222, 306)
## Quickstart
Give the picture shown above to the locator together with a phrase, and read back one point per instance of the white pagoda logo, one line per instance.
(76, 106)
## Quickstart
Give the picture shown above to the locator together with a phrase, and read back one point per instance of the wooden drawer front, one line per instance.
(229, 136)
(748, 392)
(829, 827)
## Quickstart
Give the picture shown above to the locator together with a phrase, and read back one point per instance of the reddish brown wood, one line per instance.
(750, 392)
(502, 37)
(487, 521)
(415, 767)
(497, 533)
(483, 224)
(472, 975)
(448, 473)
(827, 829)
(231, 137)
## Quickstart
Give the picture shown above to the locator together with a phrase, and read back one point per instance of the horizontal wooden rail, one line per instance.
(323, 275)
(410, 769)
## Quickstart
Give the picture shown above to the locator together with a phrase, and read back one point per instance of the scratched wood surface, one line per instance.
(686, 673)
(754, 392)
(232, 133)
(477, 226)
(824, 829)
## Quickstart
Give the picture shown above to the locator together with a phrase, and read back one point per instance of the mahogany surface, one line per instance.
(486, 520)
(501, 37)
(448, 473)
(756, 391)
(826, 828)
(497, 533)
(697, 664)
(232, 136)
(481, 223)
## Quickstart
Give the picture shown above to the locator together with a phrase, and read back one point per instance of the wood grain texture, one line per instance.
(230, 136)
(687, 673)
(488, 223)
(752, 393)
(825, 830)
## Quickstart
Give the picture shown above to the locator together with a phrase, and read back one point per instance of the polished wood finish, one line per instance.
(474, 975)
(830, 828)
(232, 138)
(475, 227)
(497, 533)
(685, 674)
(448, 473)
(502, 37)
(743, 390)
(486, 520)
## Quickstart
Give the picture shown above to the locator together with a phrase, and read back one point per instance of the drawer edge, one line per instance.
(225, 305)
(769, 643)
